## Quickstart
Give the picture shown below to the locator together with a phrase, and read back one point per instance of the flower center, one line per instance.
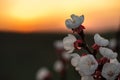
(110, 73)
(91, 63)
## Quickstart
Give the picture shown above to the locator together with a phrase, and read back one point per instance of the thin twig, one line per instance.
(86, 47)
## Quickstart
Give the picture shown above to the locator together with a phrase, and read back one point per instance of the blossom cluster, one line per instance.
(88, 65)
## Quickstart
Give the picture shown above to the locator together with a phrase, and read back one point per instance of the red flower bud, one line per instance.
(84, 54)
(97, 75)
(96, 47)
(104, 60)
(78, 44)
(78, 29)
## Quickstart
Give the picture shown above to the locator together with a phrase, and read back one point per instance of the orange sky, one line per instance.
(50, 15)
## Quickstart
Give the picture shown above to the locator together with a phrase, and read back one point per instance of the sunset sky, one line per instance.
(50, 15)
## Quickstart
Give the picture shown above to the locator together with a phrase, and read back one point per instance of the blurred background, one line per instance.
(28, 29)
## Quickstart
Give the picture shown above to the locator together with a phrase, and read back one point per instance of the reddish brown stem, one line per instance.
(86, 47)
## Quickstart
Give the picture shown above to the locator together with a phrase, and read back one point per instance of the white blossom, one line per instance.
(107, 53)
(87, 78)
(87, 65)
(115, 61)
(66, 55)
(75, 22)
(68, 43)
(58, 66)
(110, 71)
(75, 59)
(100, 40)
(112, 43)
(58, 44)
(42, 73)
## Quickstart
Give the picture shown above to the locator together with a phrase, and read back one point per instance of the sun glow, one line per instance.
(39, 15)
(28, 9)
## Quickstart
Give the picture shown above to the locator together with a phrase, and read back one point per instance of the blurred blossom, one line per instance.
(42, 74)
(112, 43)
(58, 66)
(58, 44)
(65, 55)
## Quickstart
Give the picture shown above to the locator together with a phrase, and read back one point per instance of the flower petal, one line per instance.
(87, 78)
(110, 71)
(75, 22)
(68, 42)
(69, 23)
(70, 51)
(107, 53)
(115, 61)
(87, 65)
(81, 19)
(75, 59)
(100, 40)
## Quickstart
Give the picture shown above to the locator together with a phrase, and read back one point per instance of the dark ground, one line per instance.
(21, 55)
